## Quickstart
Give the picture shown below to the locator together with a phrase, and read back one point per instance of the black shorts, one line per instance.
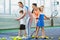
(22, 27)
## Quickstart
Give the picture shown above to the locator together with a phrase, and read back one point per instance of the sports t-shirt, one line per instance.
(22, 21)
(36, 13)
(26, 8)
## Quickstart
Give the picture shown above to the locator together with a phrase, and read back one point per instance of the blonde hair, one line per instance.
(40, 8)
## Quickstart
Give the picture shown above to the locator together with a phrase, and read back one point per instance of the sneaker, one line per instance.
(24, 36)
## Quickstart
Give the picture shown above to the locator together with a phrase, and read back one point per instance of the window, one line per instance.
(7, 6)
(14, 6)
(11, 6)
(1, 6)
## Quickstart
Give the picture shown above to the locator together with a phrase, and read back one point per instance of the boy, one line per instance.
(22, 25)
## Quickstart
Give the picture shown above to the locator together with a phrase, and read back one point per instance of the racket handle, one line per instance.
(33, 32)
(48, 18)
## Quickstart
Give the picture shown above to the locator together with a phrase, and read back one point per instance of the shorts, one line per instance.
(22, 27)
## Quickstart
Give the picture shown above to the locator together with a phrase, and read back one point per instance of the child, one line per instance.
(40, 23)
(22, 24)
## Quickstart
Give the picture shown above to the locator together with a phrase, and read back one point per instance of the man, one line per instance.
(28, 16)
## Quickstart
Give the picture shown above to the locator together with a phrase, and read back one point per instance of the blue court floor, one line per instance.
(53, 32)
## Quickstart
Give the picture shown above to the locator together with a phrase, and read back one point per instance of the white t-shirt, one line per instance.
(22, 21)
(26, 10)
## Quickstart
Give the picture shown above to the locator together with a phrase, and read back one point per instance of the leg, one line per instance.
(43, 32)
(19, 33)
(25, 33)
(20, 30)
(28, 26)
(37, 30)
(35, 21)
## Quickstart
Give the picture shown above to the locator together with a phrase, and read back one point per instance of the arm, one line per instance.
(30, 14)
(45, 17)
(34, 16)
(22, 16)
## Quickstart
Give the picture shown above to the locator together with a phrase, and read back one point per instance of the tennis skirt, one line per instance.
(40, 23)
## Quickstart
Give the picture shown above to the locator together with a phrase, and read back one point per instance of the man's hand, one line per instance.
(18, 19)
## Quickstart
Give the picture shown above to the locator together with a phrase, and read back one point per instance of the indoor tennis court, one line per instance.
(9, 26)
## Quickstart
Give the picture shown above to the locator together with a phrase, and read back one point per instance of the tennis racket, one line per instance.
(54, 14)
(33, 32)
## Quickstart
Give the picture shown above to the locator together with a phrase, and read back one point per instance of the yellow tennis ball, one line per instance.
(19, 38)
(47, 37)
(14, 38)
(59, 38)
(11, 38)
(40, 36)
(33, 36)
(3, 38)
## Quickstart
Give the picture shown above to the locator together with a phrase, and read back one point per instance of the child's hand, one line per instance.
(18, 19)
(48, 18)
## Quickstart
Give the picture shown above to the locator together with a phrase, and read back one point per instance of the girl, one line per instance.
(40, 22)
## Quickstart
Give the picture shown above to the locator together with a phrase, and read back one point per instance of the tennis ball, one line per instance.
(40, 36)
(19, 38)
(12, 37)
(59, 38)
(47, 37)
(3, 38)
(33, 36)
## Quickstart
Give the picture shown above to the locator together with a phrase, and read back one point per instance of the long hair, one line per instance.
(32, 10)
(40, 8)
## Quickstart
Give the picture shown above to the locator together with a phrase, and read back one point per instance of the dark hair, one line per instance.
(32, 10)
(39, 9)
(20, 2)
(34, 4)
(21, 11)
